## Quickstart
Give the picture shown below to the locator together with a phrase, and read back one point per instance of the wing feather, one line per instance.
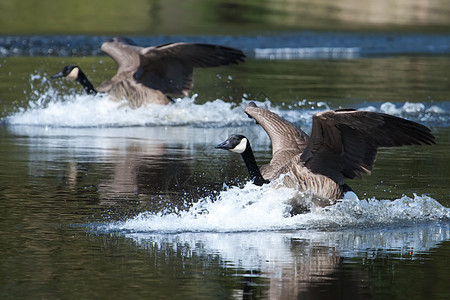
(287, 140)
(169, 67)
(124, 53)
(344, 143)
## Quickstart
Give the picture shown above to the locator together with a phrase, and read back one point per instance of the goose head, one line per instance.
(235, 143)
(71, 72)
(239, 144)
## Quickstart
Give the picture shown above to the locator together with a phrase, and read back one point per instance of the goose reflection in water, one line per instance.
(148, 169)
(280, 265)
(287, 265)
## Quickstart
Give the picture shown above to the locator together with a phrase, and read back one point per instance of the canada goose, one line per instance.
(148, 75)
(343, 144)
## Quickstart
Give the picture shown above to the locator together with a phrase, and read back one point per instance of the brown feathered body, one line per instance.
(297, 176)
(134, 92)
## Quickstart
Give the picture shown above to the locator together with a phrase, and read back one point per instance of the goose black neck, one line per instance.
(252, 167)
(88, 87)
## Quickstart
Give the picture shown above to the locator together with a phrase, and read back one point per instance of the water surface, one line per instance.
(94, 192)
(99, 199)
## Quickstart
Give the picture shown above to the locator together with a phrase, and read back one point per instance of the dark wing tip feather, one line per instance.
(222, 55)
(168, 67)
(406, 132)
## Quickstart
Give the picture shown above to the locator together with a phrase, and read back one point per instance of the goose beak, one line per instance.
(57, 75)
(224, 145)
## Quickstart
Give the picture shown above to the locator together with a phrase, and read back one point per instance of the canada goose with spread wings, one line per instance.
(150, 75)
(343, 145)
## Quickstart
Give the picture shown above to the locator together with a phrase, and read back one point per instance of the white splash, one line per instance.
(436, 114)
(250, 228)
(253, 208)
(49, 107)
(101, 111)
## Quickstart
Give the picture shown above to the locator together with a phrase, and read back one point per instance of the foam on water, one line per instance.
(54, 110)
(251, 228)
(47, 106)
(253, 208)
(432, 114)
(100, 110)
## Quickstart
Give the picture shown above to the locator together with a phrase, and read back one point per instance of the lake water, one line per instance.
(100, 201)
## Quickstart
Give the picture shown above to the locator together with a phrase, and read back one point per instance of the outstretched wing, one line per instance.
(124, 52)
(169, 67)
(344, 143)
(287, 140)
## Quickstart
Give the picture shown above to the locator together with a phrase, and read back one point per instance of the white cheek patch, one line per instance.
(240, 148)
(73, 75)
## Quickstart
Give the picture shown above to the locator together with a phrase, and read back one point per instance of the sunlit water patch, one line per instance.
(253, 208)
